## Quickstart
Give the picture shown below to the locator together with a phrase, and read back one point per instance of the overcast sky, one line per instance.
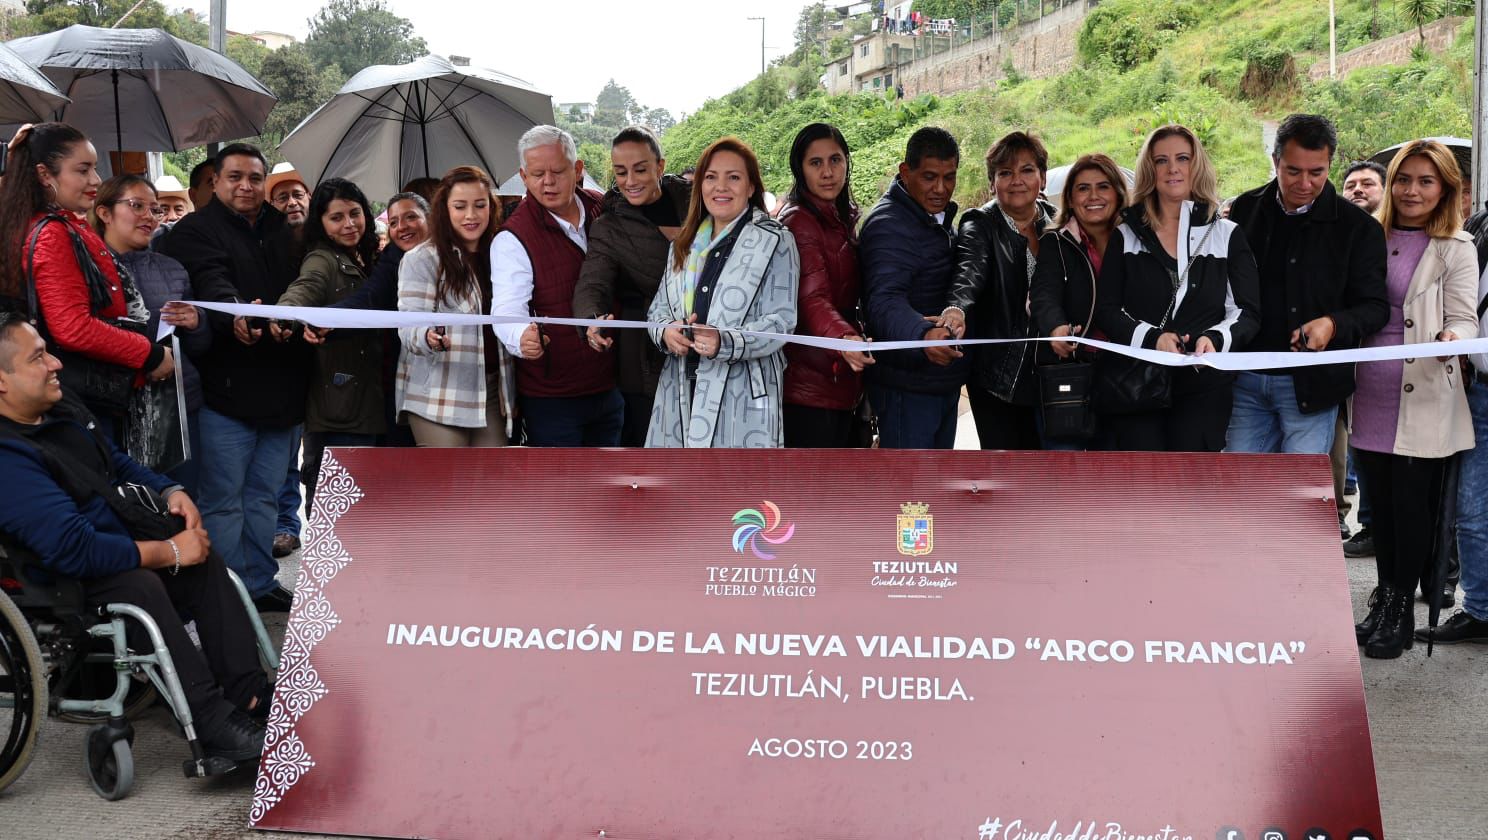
(672, 54)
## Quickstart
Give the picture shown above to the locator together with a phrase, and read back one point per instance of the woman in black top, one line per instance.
(1178, 279)
(628, 247)
(997, 247)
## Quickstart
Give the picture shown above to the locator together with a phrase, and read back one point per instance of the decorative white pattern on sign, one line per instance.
(299, 687)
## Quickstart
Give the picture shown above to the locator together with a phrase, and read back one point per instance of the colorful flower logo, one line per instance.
(754, 526)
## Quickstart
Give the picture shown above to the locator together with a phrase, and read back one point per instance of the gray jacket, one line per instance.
(160, 280)
(737, 398)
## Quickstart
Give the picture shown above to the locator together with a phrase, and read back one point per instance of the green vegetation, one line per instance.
(1218, 66)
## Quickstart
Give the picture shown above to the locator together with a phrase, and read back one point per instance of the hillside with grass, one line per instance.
(1219, 66)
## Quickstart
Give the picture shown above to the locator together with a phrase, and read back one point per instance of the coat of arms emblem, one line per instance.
(916, 529)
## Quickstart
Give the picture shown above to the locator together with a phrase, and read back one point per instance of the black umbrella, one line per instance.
(151, 91)
(25, 94)
(1461, 149)
(1434, 582)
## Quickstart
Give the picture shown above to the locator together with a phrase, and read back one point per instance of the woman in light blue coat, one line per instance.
(733, 269)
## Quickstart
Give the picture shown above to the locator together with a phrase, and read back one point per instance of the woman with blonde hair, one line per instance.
(732, 268)
(1174, 278)
(1409, 416)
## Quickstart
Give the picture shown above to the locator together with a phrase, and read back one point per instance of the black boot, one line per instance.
(1396, 630)
(1364, 629)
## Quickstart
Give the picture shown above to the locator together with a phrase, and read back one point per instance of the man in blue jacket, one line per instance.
(908, 254)
(55, 465)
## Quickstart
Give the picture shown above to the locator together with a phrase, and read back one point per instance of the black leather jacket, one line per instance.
(991, 287)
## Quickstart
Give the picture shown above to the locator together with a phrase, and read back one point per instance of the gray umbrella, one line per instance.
(146, 90)
(25, 94)
(392, 123)
(1461, 149)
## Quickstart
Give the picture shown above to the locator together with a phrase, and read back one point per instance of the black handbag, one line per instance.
(102, 385)
(1065, 391)
(1065, 386)
(1125, 385)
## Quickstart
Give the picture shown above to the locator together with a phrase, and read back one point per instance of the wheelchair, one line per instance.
(52, 645)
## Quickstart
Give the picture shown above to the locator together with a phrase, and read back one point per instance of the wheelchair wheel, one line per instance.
(23, 692)
(110, 763)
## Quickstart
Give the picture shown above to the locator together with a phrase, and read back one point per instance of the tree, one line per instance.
(355, 34)
(300, 86)
(247, 52)
(659, 119)
(615, 107)
(1419, 12)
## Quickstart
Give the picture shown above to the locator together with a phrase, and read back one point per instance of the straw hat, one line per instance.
(168, 185)
(281, 173)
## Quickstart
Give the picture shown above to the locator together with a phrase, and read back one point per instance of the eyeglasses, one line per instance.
(140, 207)
(285, 197)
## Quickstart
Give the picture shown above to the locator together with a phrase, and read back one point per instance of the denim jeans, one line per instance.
(593, 420)
(288, 498)
(1472, 509)
(242, 471)
(1265, 418)
(911, 420)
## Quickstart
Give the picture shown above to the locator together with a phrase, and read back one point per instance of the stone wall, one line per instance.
(1044, 47)
(1395, 49)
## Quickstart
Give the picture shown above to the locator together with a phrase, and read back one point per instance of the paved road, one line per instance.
(1428, 718)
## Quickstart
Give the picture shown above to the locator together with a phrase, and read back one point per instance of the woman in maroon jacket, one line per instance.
(823, 387)
(50, 183)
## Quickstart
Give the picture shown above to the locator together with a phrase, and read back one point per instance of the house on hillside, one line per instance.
(872, 64)
(577, 111)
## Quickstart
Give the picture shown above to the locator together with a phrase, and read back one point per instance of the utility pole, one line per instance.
(1480, 118)
(762, 43)
(217, 41)
(1332, 41)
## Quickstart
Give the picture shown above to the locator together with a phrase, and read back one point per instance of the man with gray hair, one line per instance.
(565, 388)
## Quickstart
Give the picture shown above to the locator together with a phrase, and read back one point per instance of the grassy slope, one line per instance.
(1194, 79)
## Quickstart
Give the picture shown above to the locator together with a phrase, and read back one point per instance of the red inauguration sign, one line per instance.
(689, 644)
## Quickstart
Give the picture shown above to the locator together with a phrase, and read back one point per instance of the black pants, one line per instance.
(637, 418)
(818, 428)
(226, 672)
(1001, 424)
(1196, 422)
(1404, 503)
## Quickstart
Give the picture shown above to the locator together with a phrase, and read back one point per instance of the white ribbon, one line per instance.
(350, 319)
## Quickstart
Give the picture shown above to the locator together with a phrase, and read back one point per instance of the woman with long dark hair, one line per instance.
(823, 387)
(455, 385)
(733, 268)
(1408, 417)
(1062, 296)
(344, 407)
(55, 267)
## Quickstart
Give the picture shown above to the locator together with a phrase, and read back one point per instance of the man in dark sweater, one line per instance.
(238, 249)
(908, 257)
(1322, 271)
(52, 458)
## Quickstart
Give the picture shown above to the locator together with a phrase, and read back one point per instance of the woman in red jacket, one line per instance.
(50, 184)
(823, 387)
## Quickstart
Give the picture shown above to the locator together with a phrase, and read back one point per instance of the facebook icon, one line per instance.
(1228, 833)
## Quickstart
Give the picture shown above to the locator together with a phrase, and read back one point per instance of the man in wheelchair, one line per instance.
(58, 471)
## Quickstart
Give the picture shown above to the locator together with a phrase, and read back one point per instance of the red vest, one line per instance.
(569, 367)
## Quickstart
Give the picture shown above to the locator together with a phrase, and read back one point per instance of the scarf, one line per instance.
(697, 257)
